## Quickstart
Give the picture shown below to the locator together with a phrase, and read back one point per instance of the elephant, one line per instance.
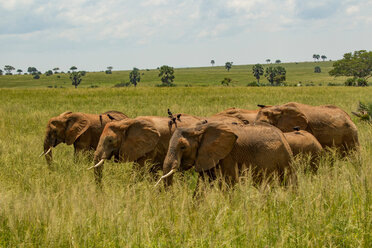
(229, 149)
(303, 142)
(80, 129)
(137, 140)
(244, 115)
(330, 125)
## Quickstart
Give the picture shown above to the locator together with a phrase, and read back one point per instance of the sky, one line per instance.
(95, 34)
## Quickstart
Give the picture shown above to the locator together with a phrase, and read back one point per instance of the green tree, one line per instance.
(228, 65)
(19, 71)
(1, 72)
(73, 68)
(76, 78)
(134, 76)
(357, 65)
(317, 69)
(257, 71)
(167, 75)
(324, 57)
(56, 70)
(8, 69)
(278, 61)
(270, 74)
(280, 75)
(268, 61)
(31, 70)
(212, 62)
(48, 73)
(109, 70)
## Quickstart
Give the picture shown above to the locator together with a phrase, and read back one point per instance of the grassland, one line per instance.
(241, 75)
(59, 206)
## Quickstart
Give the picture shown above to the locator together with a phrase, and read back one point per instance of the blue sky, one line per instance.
(181, 33)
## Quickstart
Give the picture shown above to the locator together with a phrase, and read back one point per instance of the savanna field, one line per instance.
(60, 205)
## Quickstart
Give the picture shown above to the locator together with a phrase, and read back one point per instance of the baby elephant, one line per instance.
(229, 149)
(303, 142)
(80, 129)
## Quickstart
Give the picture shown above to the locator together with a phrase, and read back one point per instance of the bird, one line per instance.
(178, 117)
(261, 106)
(169, 113)
(110, 117)
(296, 128)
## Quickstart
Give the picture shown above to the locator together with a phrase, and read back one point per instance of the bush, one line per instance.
(350, 82)
(362, 82)
(108, 72)
(166, 85)
(36, 76)
(333, 84)
(253, 84)
(317, 69)
(93, 86)
(122, 84)
(226, 81)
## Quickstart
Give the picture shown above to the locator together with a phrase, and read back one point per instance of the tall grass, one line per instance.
(59, 206)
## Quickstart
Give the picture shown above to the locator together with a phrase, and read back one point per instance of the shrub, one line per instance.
(226, 81)
(36, 76)
(350, 82)
(362, 82)
(108, 72)
(317, 69)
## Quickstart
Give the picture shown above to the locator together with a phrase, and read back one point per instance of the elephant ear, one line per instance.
(76, 125)
(217, 141)
(291, 117)
(140, 138)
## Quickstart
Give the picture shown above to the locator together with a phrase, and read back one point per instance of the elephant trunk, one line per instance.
(48, 149)
(171, 163)
(99, 158)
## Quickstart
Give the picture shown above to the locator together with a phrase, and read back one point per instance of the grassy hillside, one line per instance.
(204, 76)
(59, 206)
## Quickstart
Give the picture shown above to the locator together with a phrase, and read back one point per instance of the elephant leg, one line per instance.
(98, 175)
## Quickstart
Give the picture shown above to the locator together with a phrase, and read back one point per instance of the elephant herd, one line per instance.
(226, 144)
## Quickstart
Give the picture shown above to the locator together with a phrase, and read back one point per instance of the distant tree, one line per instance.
(19, 71)
(324, 57)
(31, 70)
(110, 68)
(8, 69)
(48, 73)
(76, 78)
(56, 70)
(275, 74)
(317, 69)
(257, 71)
(278, 61)
(280, 75)
(212, 62)
(270, 74)
(357, 65)
(317, 57)
(83, 73)
(36, 76)
(134, 76)
(226, 81)
(167, 75)
(228, 65)
(268, 61)
(73, 68)
(1, 72)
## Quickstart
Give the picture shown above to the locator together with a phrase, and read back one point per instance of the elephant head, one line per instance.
(202, 146)
(65, 128)
(130, 140)
(283, 117)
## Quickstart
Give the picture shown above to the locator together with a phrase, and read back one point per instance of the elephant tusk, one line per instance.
(98, 164)
(45, 153)
(167, 175)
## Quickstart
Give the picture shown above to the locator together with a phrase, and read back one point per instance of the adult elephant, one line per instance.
(244, 115)
(137, 140)
(330, 125)
(303, 142)
(229, 149)
(80, 129)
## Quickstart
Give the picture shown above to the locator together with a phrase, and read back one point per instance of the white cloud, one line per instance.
(352, 9)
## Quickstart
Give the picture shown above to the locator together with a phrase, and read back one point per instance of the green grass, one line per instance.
(60, 206)
(241, 75)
